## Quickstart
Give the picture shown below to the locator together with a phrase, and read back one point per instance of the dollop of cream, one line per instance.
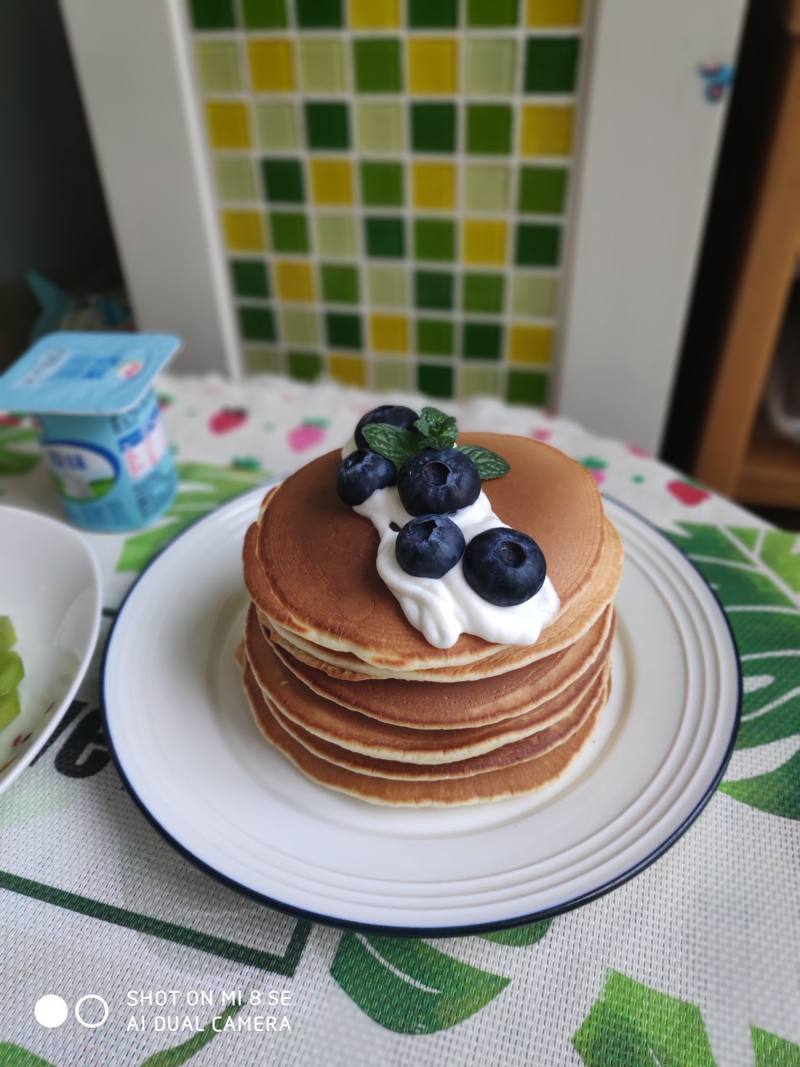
(444, 608)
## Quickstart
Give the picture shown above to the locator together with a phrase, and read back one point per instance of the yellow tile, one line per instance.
(553, 12)
(432, 65)
(546, 130)
(484, 242)
(294, 280)
(374, 14)
(228, 124)
(530, 344)
(271, 65)
(434, 185)
(331, 181)
(348, 369)
(388, 333)
(244, 231)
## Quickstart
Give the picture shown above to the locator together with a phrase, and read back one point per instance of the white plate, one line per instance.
(50, 588)
(185, 744)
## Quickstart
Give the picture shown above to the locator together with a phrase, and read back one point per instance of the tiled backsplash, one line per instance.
(392, 184)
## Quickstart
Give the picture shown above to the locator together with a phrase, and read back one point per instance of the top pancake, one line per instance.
(318, 556)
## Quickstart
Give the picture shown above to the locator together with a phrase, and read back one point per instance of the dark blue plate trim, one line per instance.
(425, 931)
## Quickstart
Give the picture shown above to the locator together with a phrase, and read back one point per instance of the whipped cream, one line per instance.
(444, 608)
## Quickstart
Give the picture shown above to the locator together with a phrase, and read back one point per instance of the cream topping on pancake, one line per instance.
(444, 608)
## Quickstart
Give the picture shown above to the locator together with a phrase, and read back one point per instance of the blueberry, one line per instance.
(361, 473)
(429, 546)
(393, 414)
(504, 566)
(438, 480)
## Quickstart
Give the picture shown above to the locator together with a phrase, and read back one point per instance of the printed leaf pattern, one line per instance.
(17, 1056)
(756, 574)
(210, 487)
(632, 1025)
(520, 936)
(408, 986)
(179, 1054)
(13, 459)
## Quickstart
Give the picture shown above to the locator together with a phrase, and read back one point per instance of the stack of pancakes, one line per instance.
(341, 683)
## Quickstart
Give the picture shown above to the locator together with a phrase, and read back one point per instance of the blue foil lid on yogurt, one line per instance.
(101, 427)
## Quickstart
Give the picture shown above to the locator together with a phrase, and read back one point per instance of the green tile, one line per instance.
(537, 246)
(492, 12)
(533, 294)
(339, 284)
(264, 14)
(314, 13)
(551, 64)
(235, 177)
(327, 126)
(299, 326)
(434, 239)
(483, 292)
(377, 65)
(491, 66)
(212, 14)
(435, 337)
(343, 331)
(276, 125)
(387, 286)
(435, 380)
(218, 67)
(380, 127)
(433, 127)
(384, 237)
(479, 381)
(258, 359)
(394, 374)
(482, 340)
(525, 387)
(488, 129)
(305, 366)
(323, 66)
(487, 187)
(433, 14)
(283, 180)
(257, 324)
(382, 183)
(542, 189)
(433, 289)
(289, 232)
(336, 235)
(249, 277)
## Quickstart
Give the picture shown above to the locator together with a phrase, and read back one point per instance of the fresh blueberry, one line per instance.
(438, 480)
(361, 473)
(429, 546)
(393, 414)
(504, 566)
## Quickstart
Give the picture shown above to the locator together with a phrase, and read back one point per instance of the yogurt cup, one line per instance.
(102, 430)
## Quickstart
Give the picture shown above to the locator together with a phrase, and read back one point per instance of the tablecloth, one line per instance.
(694, 962)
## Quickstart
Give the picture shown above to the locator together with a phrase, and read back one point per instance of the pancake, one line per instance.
(522, 778)
(564, 631)
(425, 706)
(310, 561)
(536, 744)
(369, 736)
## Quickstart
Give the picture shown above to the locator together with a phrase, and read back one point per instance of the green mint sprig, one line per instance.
(433, 429)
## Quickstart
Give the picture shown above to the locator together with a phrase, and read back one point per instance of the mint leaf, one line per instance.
(438, 429)
(489, 464)
(520, 936)
(390, 441)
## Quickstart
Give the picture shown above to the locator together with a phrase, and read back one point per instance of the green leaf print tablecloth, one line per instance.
(695, 962)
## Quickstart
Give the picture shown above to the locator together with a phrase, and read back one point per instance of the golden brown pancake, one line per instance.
(310, 562)
(425, 706)
(536, 744)
(491, 785)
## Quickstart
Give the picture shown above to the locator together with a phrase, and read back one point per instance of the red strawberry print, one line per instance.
(688, 494)
(227, 419)
(635, 450)
(307, 435)
(541, 435)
